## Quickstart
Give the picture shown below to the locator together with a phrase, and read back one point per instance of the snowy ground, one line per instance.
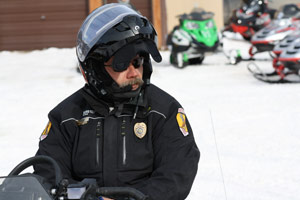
(248, 131)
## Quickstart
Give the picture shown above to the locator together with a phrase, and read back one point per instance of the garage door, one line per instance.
(37, 24)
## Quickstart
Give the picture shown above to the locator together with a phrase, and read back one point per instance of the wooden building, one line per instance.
(38, 24)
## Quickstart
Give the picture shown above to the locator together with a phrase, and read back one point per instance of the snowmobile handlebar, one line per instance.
(37, 160)
(92, 190)
(114, 191)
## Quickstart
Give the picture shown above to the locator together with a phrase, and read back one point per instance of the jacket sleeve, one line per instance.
(56, 143)
(176, 160)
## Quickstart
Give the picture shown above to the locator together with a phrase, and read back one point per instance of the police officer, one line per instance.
(119, 129)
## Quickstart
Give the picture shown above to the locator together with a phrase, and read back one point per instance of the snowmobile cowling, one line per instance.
(29, 186)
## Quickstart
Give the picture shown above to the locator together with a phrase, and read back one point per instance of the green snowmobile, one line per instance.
(196, 34)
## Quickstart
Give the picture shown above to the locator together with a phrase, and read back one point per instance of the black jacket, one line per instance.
(150, 152)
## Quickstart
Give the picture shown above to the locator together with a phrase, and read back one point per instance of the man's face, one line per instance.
(133, 75)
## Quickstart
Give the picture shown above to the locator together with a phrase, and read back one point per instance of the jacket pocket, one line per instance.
(87, 149)
(136, 152)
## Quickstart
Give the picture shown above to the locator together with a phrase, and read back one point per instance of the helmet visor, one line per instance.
(124, 56)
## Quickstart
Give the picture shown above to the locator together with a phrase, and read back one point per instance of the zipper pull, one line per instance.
(98, 129)
(123, 133)
(98, 135)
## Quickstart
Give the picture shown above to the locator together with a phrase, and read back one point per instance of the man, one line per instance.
(120, 129)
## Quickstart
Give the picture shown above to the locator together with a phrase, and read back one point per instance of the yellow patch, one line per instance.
(181, 120)
(46, 131)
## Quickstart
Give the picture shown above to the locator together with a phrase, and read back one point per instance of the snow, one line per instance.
(247, 131)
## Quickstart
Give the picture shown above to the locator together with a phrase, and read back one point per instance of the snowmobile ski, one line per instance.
(272, 77)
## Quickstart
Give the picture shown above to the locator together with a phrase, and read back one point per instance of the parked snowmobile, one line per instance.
(251, 17)
(28, 186)
(196, 34)
(286, 65)
(265, 39)
(268, 37)
(287, 22)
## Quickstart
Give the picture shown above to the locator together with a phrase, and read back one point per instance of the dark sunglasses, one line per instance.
(119, 67)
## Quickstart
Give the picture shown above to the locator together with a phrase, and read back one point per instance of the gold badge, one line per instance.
(181, 120)
(46, 131)
(140, 130)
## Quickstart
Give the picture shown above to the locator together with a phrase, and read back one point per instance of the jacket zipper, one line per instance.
(123, 133)
(98, 135)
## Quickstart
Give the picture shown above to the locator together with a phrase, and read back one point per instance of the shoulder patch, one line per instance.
(46, 131)
(181, 120)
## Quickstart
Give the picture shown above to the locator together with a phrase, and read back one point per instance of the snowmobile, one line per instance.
(29, 186)
(286, 65)
(264, 40)
(251, 17)
(287, 22)
(268, 37)
(196, 34)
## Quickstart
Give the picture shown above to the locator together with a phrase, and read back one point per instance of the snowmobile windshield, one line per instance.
(25, 188)
(198, 15)
(202, 15)
(97, 24)
(202, 31)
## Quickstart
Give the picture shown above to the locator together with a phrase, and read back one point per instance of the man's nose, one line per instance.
(132, 71)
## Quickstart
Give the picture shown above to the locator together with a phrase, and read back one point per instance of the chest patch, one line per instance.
(181, 120)
(82, 121)
(140, 130)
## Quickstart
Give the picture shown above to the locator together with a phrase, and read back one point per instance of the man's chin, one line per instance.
(135, 87)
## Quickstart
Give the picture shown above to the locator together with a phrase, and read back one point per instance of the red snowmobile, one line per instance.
(286, 64)
(251, 17)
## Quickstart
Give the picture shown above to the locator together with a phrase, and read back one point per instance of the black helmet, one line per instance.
(114, 30)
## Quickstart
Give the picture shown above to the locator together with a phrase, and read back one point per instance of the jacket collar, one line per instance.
(137, 105)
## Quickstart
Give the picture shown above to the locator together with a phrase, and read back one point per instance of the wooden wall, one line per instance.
(38, 24)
